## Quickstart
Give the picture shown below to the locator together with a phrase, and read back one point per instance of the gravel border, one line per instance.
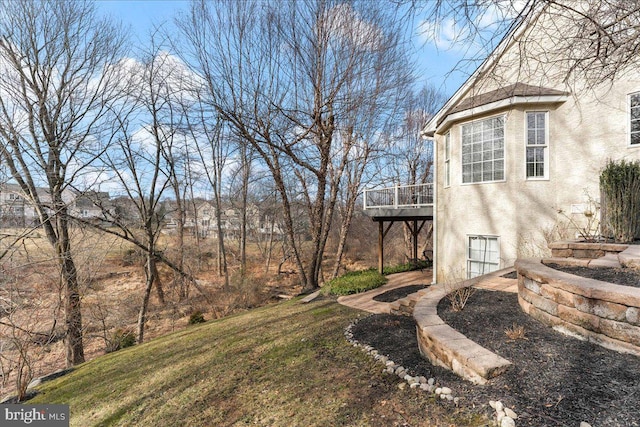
(504, 417)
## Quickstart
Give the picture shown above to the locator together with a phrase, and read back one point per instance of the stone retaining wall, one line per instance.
(584, 249)
(601, 312)
(444, 346)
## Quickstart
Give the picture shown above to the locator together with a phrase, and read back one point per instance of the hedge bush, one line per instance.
(620, 201)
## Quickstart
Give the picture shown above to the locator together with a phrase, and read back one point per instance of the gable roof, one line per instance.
(519, 27)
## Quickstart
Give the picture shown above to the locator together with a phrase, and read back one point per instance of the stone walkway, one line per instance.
(364, 301)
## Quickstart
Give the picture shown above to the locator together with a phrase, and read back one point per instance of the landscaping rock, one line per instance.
(507, 422)
(510, 413)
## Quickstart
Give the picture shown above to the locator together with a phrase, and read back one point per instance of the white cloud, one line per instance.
(444, 35)
(455, 33)
(345, 22)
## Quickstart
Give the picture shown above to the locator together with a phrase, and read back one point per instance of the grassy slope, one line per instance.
(282, 365)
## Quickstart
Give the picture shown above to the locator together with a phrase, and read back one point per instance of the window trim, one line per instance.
(504, 155)
(447, 159)
(469, 259)
(546, 146)
(628, 136)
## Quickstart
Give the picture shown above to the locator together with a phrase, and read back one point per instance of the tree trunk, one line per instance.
(150, 268)
(342, 242)
(222, 255)
(269, 246)
(69, 276)
(246, 175)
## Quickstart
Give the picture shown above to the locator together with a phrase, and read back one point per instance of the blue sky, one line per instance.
(436, 60)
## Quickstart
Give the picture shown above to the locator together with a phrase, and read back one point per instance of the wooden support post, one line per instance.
(382, 233)
(415, 232)
(381, 246)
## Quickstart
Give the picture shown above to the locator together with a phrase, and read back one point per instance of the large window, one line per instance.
(483, 150)
(483, 255)
(537, 144)
(447, 159)
(634, 128)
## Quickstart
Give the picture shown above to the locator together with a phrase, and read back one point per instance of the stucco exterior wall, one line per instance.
(586, 128)
(585, 132)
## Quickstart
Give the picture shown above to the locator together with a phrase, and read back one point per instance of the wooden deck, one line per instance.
(411, 204)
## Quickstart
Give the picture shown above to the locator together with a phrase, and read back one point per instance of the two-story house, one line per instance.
(18, 210)
(519, 150)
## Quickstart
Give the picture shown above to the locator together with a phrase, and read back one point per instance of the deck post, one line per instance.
(381, 246)
(415, 232)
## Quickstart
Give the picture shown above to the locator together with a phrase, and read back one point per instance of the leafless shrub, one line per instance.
(516, 332)
(587, 222)
(459, 297)
(457, 293)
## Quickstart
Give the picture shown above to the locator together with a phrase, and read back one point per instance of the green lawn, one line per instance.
(282, 365)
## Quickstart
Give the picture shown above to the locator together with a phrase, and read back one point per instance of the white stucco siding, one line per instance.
(501, 209)
(584, 133)
(586, 128)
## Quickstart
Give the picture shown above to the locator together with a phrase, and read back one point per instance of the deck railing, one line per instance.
(399, 197)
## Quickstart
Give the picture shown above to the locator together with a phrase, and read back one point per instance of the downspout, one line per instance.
(434, 264)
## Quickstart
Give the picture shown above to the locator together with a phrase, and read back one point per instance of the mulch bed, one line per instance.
(398, 293)
(619, 276)
(556, 380)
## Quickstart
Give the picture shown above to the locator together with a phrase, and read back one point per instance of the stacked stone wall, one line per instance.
(601, 312)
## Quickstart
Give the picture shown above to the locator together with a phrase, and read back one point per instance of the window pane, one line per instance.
(466, 173)
(634, 100)
(447, 145)
(447, 179)
(484, 140)
(483, 255)
(535, 162)
(536, 142)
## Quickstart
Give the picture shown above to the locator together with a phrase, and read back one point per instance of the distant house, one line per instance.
(18, 210)
(203, 220)
(519, 151)
(15, 211)
(90, 205)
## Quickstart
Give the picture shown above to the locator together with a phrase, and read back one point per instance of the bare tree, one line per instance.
(594, 40)
(279, 74)
(56, 89)
(206, 129)
(142, 164)
(409, 158)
